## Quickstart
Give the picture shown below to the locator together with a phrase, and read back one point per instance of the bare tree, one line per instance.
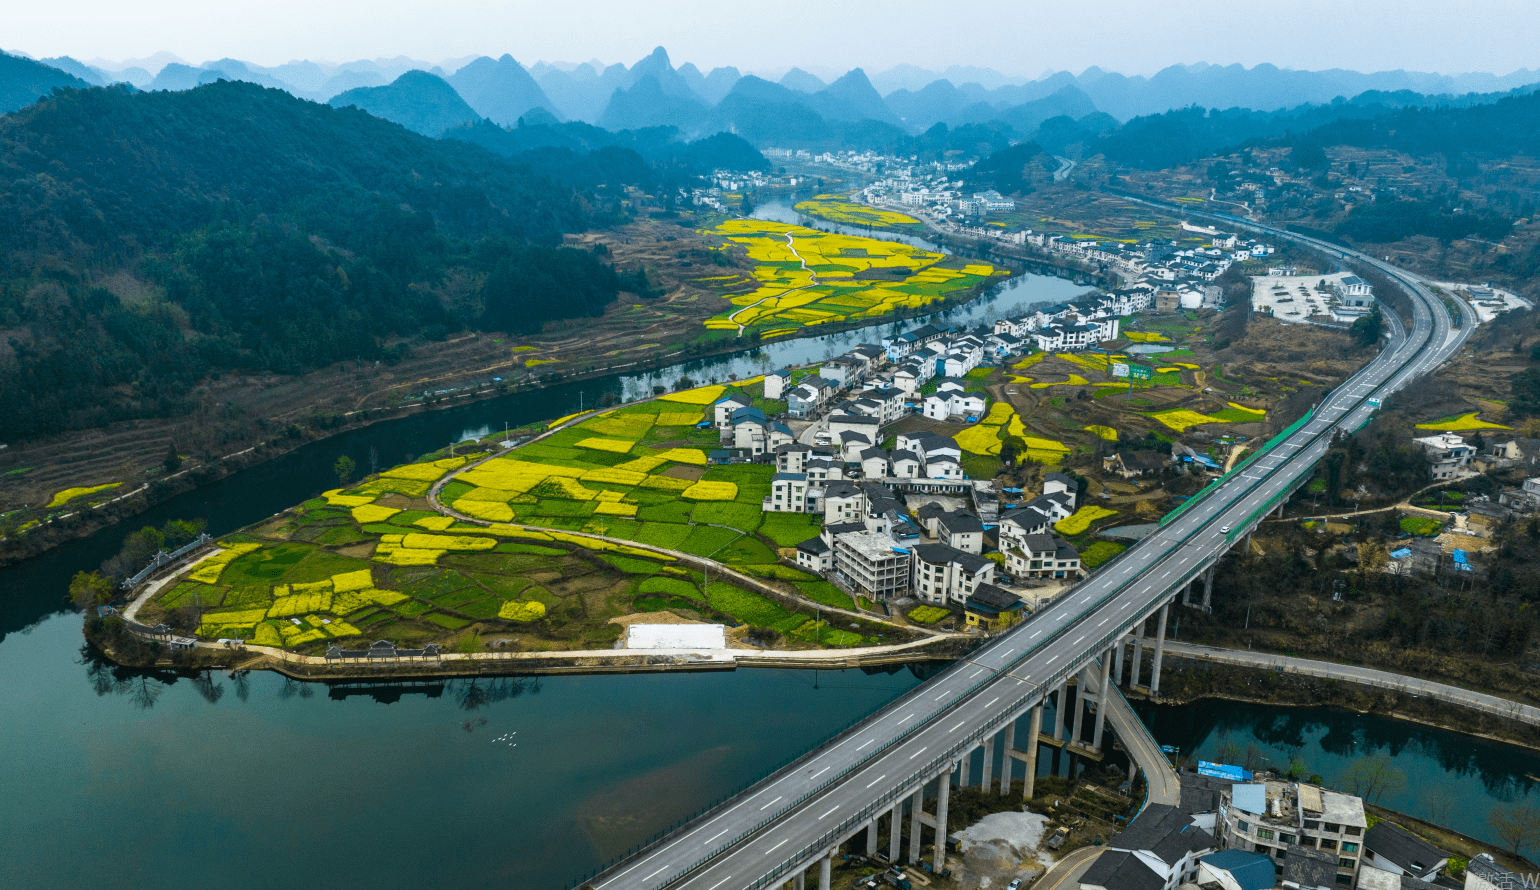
(1518, 825)
(1438, 802)
(1371, 777)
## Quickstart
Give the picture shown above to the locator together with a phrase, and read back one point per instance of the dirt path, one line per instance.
(791, 246)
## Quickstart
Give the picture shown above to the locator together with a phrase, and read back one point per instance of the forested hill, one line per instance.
(148, 239)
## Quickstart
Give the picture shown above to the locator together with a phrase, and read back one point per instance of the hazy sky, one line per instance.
(1017, 37)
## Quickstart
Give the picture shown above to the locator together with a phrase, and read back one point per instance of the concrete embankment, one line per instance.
(593, 661)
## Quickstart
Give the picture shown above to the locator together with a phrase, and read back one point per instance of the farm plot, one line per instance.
(846, 278)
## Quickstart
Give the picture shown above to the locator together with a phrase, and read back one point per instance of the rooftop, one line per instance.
(872, 546)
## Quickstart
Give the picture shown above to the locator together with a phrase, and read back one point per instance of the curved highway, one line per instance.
(776, 828)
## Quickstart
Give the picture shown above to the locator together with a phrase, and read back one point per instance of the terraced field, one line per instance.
(374, 561)
(807, 278)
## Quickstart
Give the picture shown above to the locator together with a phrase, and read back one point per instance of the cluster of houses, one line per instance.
(1236, 831)
(954, 547)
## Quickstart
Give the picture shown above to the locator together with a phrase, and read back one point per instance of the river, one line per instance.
(137, 780)
(1450, 778)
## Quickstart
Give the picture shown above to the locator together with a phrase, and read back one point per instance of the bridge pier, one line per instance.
(1137, 667)
(1058, 711)
(1208, 582)
(1101, 700)
(916, 806)
(943, 792)
(871, 838)
(1160, 649)
(799, 881)
(895, 831)
(1006, 767)
(1117, 666)
(825, 865)
(985, 780)
(1076, 729)
(1036, 727)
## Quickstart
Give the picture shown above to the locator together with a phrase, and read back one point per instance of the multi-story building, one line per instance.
(790, 493)
(872, 564)
(1271, 817)
(1448, 455)
(945, 574)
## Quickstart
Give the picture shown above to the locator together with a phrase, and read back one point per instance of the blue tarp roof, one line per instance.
(1459, 556)
(1252, 871)
(1223, 771)
(1403, 553)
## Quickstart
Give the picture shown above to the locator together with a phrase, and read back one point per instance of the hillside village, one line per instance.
(902, 520)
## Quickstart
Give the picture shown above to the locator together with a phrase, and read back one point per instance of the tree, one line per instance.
(1371, 777)
(90, 589)
(1365, 331)
(344, 469)
(1518, 825)
(172, 459)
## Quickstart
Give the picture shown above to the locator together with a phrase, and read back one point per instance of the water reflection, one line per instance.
(1451, 777)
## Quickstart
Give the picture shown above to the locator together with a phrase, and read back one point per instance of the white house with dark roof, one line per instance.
(722, 409)
(945, 574)
(777, 383)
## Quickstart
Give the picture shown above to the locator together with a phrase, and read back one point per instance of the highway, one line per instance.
(779, 826)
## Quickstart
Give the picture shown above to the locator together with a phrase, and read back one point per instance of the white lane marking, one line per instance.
(777, 846)
(815, 775)
(975, 673)
(720, 883)
(656, 873)
(876, 780)
(919, 752)
(835, 807)
(766, 806)
(991, 701)
(867, 742)
(907, 717)
(717, 835)
(959, 723)
(943, 694)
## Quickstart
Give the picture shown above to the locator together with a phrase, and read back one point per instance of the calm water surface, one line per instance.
(1450, 778)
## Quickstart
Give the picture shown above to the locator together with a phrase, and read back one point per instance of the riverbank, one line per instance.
(316, 420)
(1187, 680)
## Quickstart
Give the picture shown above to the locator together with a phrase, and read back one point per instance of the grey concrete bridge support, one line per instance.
(895, 830)
(916, 807)
(1160, 649)
(1117, 663)
(1136, 667)
(1036, 727)
(1006, 764)
(1102, 691)
(1208, 582)
(799, 881)
(1058, 712)
(943, 793)
(1081, 687)
(989, 763)
(871, 838)
(825, 865)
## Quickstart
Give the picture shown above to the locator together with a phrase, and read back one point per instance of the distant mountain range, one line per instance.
(798, 109)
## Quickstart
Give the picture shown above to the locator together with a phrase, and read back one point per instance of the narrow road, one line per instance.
(813, 277)
(1479, 701)
(1067, 872)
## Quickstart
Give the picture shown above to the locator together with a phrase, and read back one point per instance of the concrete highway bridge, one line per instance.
(785, 829)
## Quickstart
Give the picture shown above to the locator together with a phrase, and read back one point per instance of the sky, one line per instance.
(1015, 37)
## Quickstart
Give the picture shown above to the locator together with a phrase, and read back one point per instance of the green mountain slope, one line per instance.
(23, 81)
(422, 102)
(255, 232)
